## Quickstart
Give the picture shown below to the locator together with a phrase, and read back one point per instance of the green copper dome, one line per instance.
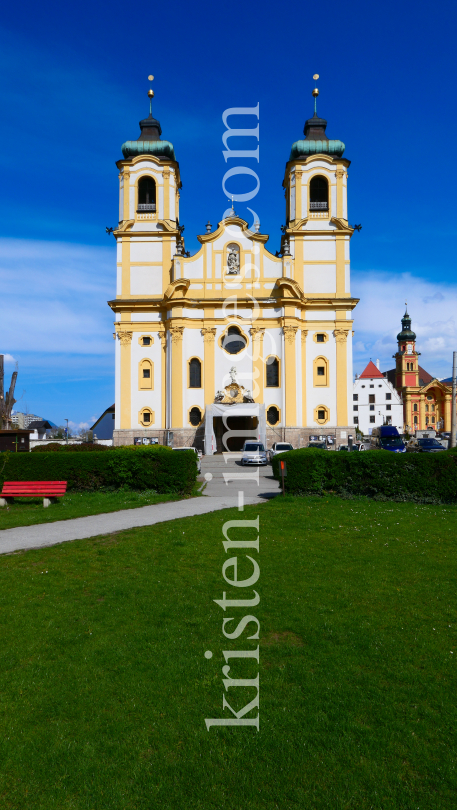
(406, 332)
(316, 141)
(149, 142)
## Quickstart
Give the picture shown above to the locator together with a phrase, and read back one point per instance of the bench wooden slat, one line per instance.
(31, 488)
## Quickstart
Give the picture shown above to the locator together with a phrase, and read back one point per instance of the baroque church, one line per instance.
(427, 401)
(233, 342)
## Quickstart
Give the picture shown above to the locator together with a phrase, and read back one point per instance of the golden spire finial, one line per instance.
(315, 93)
(150, 94)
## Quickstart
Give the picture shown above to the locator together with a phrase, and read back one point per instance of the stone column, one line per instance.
(304, 335)
(341, 337)
(447, 412)
(290, 375)
(163, 378)
(258, 363)
(176, 376)
(126, 379)
(339, 174)
(209, 337)
(422, 412)
(126, 194)
(298, 206)
(166, 194)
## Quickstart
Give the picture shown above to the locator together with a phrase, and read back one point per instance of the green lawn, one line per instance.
(105, 687)
(24, 512)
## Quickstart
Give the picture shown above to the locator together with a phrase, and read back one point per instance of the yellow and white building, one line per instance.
(233, 337)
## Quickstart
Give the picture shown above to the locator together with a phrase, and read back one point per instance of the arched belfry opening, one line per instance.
(146, 194)
(318, 194)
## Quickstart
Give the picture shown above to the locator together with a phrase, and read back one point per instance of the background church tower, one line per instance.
(407, 365)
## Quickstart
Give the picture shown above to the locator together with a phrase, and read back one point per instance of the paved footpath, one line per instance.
(221, 493)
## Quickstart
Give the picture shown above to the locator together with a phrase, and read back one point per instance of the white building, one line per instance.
(376, 402)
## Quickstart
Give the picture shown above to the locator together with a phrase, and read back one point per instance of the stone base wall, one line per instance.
(300, 436)
(182, 437)
(194, 437)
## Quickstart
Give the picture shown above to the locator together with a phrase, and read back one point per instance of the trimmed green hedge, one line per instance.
(422, 477)
(55, 447)
(157, 468)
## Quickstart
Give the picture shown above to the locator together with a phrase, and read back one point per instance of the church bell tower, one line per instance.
(407, 365)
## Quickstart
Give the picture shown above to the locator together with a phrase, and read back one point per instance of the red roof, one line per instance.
(371, 371)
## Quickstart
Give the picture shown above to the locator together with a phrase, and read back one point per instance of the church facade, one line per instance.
(233, 342)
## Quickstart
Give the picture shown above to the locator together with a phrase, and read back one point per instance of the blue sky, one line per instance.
(74, 83)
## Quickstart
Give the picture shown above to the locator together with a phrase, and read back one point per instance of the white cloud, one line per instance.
(432, 307)
(54, 298)
(8, 358)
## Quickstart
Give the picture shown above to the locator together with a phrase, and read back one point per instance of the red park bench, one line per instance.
(48, 490)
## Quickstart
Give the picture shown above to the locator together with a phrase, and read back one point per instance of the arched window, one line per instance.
(146, 194)
(195, 373)
(233, 341)
(320, 375)
(426, 409)
(415, 407)
(273, 415)
(195, 416)
(272, 372)
(415, 420)
(145, 374)
(318, 194)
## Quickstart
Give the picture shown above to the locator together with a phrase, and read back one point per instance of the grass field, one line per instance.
(25, 512)
(105, 686)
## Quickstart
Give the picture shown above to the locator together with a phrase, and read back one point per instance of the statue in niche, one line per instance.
(248, 395)
(233, 260)
(219, 396)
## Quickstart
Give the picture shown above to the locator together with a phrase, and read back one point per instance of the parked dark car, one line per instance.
(429, 446)
(318, 445)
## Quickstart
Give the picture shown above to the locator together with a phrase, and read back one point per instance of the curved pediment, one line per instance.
(290, 288)
(180, 284)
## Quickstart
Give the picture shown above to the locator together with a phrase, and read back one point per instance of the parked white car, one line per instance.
(199, 463)
(253, 453)
(278, 447)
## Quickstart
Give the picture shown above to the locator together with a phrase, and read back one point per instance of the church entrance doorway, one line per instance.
(239, 423)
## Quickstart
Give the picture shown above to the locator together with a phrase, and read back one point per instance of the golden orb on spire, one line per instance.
(151, 78)
(315, 91)
(315, 77)
(151, 93)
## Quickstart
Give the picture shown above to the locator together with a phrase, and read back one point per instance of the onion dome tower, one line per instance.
(407, 358)
(149, 142)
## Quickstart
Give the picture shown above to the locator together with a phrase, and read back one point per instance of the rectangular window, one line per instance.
(355, 407)
(321, 414)
(388, 407)
(355, 397)
(371, 386)
(356, 420)
(371, 407)
(372, 420)
(147, 373)
(388, 396)
(371, 398)
(146, 417)
(146, 341)
(320, 371)
(320, 338)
